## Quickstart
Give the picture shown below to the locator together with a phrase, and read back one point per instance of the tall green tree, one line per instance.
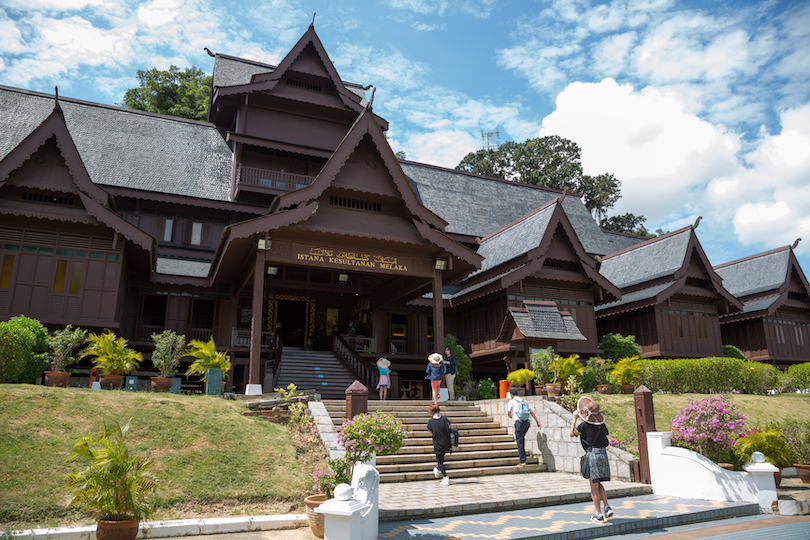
(550, 161)
(174, 92)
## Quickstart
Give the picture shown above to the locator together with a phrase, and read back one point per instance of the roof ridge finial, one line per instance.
(697, 222)
(564, 193)
(371, 101)
(796, 243)
(313, 20)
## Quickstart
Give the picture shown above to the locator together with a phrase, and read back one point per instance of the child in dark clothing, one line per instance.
(439, 426)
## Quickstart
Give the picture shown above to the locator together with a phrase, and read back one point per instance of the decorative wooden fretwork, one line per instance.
(272, 311)
(45, 198)
(304, 85)
(355, 204)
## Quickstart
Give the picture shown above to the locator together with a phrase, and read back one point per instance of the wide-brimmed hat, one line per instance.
(435, 359)
(383, 362)
(588, 410)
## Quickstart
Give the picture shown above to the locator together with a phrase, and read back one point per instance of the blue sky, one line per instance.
(699, 108)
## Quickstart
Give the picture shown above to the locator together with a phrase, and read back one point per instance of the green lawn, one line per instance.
(208, 456)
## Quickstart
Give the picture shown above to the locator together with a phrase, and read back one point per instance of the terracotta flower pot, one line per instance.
(111, 382)
(803, 472)
(604, 388)
(161, 384)
(553, 390)
(315, 519)
(57, 378)
(627, 388)
(540, 390)
(117, 530)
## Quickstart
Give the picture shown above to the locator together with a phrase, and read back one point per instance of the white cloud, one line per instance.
(159, 12)
(10, 36)
(440, 147)
(424, 7)
(52, 5)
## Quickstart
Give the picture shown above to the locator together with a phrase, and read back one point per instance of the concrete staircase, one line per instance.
(314, 370)
(485, 447)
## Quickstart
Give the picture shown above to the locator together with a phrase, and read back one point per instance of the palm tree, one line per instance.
(207, 357)
(111, 354)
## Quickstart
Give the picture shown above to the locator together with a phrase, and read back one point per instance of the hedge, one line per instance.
(23, 350)
(799, 375)
(710, 376)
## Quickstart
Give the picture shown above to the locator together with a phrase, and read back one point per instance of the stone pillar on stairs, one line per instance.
(356, 400)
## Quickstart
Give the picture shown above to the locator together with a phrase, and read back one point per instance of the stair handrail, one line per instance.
(365, 371)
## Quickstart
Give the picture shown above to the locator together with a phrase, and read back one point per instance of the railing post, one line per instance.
(356, 400)
(645, 423)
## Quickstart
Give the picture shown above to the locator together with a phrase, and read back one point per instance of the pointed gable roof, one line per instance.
(307, 56)
(363, 163)
(95, 200)
(765, 282)
(656, 269)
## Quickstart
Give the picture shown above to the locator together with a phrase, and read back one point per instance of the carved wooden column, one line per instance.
(254, 386)
(438, 313)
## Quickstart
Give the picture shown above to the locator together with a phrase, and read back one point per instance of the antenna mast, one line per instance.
(490, 139)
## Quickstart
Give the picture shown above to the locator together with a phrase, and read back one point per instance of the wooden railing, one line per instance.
(362, 343)
(363, 370)
(202, 334)
(241, 338)
(272, 179)
(147, 330)
(398, 346)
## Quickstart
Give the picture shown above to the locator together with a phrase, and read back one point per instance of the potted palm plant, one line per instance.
(111, 354)
(545, 369)
(62, 344)
(519, 378)
(169, 349)
(207, 357)
(116, 486)
(773, 446)
(626, 373)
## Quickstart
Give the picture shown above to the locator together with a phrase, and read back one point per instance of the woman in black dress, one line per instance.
(439, 426)
(593, 435)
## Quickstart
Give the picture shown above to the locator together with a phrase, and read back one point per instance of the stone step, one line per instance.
(459, 454)
(462, 473)
(472, 439)
(450, 464)
(485, 446)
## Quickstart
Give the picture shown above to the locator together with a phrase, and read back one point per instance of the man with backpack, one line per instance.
(520, 407)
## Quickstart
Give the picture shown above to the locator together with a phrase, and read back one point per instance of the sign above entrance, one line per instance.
(352, 259)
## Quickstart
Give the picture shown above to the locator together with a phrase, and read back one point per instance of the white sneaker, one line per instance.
(436, 472)
(445, 481)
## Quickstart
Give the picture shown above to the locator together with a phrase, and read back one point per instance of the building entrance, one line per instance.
(292, 316)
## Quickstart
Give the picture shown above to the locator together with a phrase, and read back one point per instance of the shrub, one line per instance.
(543, 366)
(367, 435)
(169, 349)
(617, 346)
(597, 371)
(62, 344)
(111, 354)
(207, 357)
(486, 390)
(709, 375)
(797, 435)
(733, 352)
(799, 375)
(569, 366)
(570, 399)
(23, 350)
(520, 377)
(710, 427)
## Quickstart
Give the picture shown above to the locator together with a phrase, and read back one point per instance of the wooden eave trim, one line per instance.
(85, 220)
(643, 303)
(716, 280)
(480, 292)
(119, 224)
(437, 238)
(492, 352)
(184, 200)
(170, 279)
(793, 264)
(246, 229)
(287, 147)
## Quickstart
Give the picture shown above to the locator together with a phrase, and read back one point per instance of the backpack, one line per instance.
(453, 437)
(524, 410)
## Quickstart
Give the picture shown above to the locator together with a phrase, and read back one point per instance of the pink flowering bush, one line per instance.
(367, 435)
(710, 427)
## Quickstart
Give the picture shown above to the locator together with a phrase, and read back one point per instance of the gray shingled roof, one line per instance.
(232, 71)
(477, 206)
(758, 304)
(635, 296)
(619, 242)
(182, 267)
(755, 275)
(546, 322)
(648, 261)
(126, 148)
(516, 240)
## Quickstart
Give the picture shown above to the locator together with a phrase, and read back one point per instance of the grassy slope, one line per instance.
(205, 451)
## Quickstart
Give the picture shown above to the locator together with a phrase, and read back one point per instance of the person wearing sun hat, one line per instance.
(435, 373)
(593, 434)
(383, 365)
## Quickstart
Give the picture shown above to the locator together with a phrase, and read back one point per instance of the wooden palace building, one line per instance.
(287, 216)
